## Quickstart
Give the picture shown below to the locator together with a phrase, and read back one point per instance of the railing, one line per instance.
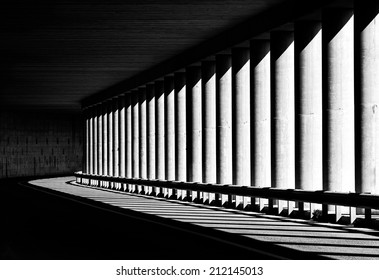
(326, 198)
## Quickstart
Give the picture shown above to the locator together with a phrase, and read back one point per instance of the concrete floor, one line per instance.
(57, 219)
(41, 225)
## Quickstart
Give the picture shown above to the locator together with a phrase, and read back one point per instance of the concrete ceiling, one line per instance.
(55, 53)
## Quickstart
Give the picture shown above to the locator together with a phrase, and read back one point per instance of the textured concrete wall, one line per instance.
(37, 143)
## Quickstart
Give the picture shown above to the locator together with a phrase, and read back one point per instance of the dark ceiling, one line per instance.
(55, 53)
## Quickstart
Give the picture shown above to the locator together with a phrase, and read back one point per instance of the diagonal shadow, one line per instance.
(279, 231)
(269, 250)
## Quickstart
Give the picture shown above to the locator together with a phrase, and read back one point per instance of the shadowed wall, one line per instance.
(39, 143)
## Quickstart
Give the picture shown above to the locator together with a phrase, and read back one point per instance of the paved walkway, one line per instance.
(325, 240)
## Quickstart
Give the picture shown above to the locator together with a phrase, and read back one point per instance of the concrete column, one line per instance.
(367, 23)
(194, 132)
(116, 162)
(208, 78)
(105, 140)
(110, 139)
(91, 150)
(308, 106)
(100, 141)
(181, 131)
(241, 121)
(122, 137)
(84, 151)
(283, 112)
(87, 116)
(128, 138)
(160, 132)
(169, 130)
(143, 134)
(150, 118)
(338, 69)
(95, 144)
(135, 136)
(308, 62)
(260, 116)
(224, 122)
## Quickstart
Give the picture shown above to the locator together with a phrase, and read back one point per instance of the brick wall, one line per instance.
(37, 143)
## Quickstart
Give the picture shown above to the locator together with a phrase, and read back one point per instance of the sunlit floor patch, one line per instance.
(332, 241)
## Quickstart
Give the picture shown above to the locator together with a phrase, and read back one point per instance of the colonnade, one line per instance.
(297, 109)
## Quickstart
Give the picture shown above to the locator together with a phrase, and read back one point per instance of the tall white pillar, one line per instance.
(116, 163)
(283, 112)
(160, 132)
(86, 169)
(110, 139)
(143, 134)
(260, 115)
(308, 62)
(122, 137)
(338, 69)
(91, 143)
(128, 139)
(208, 78)
(308, 94)
(105, 140)
(241, 120)
(94, 137)
(367, 22)
(100, 141)
(150, 118)
(87, 116)
(181, 131)
(224, 122)
(135, 136)
(194, 129)
(169, 130)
